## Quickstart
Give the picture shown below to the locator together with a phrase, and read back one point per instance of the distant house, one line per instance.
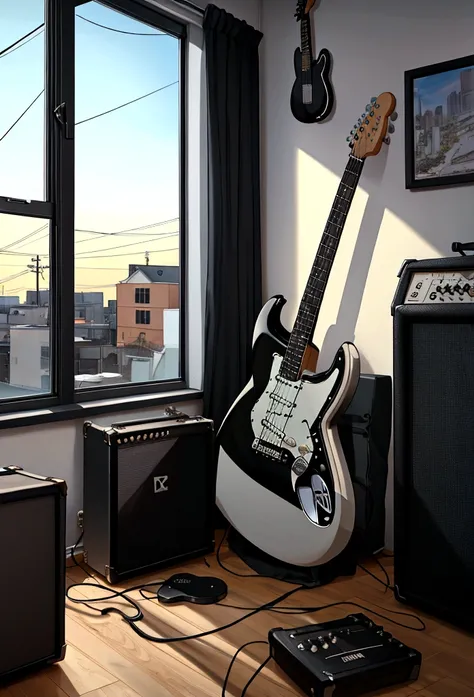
(141, 301)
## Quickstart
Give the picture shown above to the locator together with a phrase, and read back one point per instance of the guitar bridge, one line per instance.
(268, 449)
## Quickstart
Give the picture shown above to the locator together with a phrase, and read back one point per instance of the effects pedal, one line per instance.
(350, 656)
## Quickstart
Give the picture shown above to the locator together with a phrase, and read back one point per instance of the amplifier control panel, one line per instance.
(440, 287)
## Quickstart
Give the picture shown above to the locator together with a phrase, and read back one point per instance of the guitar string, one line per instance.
(268, 434)
(278, 420)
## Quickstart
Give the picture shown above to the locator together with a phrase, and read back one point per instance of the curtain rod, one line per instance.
(191, 6)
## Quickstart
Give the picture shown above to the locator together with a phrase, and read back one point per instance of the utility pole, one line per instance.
(37, 269)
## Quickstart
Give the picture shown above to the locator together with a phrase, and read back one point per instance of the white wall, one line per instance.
(56, 450)
(372, 43)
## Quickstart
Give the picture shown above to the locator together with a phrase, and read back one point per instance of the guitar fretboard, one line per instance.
(311, 301)
(306, 43)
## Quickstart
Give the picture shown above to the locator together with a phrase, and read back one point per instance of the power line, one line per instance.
(12, 244)
(126, 254)
(163, 236)
(7, 279)
(21, 39)
(4, 55)
(109, 111)
(121, 246)
(130, 229)
(121, 31)
(22, 115)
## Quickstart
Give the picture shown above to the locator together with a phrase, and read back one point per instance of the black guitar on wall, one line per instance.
(312, 96)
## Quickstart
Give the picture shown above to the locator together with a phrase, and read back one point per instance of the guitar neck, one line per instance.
(311, 301)
(306, 48)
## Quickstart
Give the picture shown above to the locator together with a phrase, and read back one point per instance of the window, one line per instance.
(142, 316)
(91, 200)
(142, 295)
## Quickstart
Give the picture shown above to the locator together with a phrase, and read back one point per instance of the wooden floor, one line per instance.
(106, 659)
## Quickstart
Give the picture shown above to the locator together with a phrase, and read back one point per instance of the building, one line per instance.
(43, 297)
(29, 358)
(435, 140)
(428, 120)
(8, 301)
(438, 118)
(141, 301)
(467, 89)
(453, 104)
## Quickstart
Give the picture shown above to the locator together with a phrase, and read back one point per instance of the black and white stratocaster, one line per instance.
(282, 478)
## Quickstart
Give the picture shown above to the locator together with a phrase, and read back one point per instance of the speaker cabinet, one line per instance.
(149, 492)
(365, 430)
(433, 454)
(32, 580)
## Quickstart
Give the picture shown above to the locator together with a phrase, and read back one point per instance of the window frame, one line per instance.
(146, 314)
(58, 206)
(143, 292)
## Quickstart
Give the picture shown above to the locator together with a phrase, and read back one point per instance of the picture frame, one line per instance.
(439, 124)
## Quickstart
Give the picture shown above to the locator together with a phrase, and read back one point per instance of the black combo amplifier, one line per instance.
(149, 493)
(32, 581)
(350, 656)
(433, 311)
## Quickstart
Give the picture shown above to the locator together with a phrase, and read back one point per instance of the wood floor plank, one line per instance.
(106, 658)
(78, 674)
(117, 689)
(114, 662)
(447, 687)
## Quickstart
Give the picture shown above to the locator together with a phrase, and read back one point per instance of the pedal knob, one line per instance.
(314, 648)
(301, 647)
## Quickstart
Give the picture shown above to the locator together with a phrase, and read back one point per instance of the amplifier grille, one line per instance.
(440, 556)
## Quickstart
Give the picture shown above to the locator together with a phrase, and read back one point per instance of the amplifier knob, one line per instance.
(301, 647)
(314, 648)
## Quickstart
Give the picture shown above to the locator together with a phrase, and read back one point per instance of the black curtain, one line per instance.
(234, 279)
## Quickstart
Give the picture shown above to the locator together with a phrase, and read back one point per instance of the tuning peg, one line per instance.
(359, 121)
(373, 100)
(391, 128)
(387, 140)
(368, 107)
(394, 116)
(349, 139)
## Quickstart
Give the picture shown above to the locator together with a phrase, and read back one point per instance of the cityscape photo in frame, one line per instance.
(439, 124)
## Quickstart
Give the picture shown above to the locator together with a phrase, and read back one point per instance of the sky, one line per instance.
(127, 162)
(434, 89)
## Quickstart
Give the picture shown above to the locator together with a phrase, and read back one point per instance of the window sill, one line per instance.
(87, 409)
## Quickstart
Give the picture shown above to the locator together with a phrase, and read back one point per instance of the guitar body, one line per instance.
(282, 479)
(320, 91)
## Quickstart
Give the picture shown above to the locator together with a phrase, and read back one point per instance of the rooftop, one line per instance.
(155, 274)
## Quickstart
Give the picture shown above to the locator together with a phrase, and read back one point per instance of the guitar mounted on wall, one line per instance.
(282, 479)
(312, 96)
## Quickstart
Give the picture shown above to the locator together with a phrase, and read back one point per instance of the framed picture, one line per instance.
(439, 124)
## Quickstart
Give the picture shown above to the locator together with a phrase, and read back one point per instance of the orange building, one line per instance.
(141, 299)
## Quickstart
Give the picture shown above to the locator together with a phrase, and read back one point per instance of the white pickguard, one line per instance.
(268, 521)
(275, 422)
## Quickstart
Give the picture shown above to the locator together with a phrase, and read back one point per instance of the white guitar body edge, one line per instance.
(272, 524)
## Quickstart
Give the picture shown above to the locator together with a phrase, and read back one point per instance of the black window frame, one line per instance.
(144, 315)
(142, 293)
(58, 206)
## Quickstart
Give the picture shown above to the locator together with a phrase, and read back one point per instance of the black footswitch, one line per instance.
(350, 656)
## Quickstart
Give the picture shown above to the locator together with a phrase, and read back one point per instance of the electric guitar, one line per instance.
(282, 478)
(312, 96)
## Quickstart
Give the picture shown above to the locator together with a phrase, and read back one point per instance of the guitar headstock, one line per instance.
(303, 7)
(372, 129)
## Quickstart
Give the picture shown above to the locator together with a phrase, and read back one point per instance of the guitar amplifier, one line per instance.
(32, 581)
(433, 313)
(149, 493)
